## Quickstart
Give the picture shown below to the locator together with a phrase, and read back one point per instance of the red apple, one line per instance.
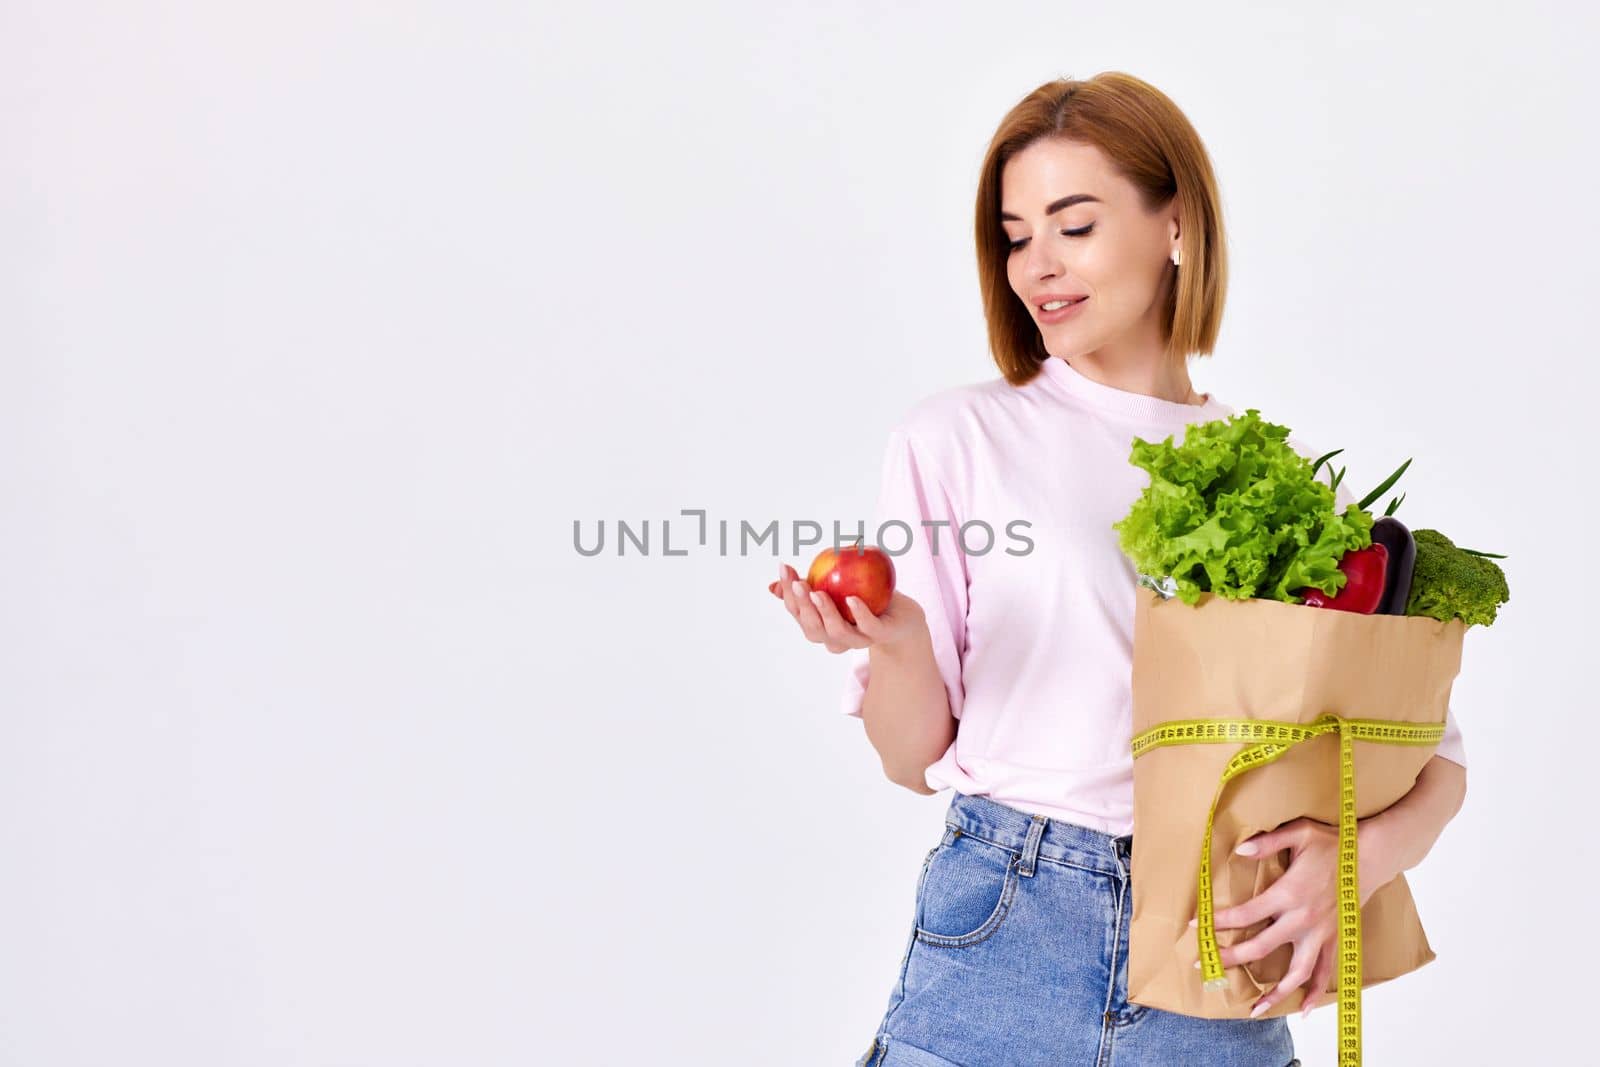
(862, 571)
(866, 572)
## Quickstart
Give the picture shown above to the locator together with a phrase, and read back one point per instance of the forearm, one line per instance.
(906, 711)
(1397, 838)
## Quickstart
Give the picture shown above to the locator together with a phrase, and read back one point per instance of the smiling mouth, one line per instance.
(1060, 314)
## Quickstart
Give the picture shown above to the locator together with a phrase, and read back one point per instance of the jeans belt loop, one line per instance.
(1030, 848)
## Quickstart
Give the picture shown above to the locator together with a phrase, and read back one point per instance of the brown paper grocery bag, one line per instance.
(1267, 659)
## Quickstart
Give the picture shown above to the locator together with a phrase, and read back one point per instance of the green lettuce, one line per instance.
(1235, 510)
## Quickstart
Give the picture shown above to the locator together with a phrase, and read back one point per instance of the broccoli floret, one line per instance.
(1448, 582)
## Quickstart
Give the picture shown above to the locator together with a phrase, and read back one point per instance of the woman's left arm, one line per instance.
(1399, 836)
(1303, 900)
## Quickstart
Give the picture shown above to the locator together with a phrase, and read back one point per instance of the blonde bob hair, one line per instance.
(1150, 143)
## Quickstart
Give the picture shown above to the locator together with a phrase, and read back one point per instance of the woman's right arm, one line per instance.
(906, 710)
(906, 707)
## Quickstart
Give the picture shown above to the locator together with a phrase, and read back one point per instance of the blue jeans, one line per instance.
(1018, 955)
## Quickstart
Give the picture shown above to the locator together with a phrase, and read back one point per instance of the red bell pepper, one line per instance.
(1365, 572)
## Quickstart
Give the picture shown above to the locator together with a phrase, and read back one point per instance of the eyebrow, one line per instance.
(1057, 205)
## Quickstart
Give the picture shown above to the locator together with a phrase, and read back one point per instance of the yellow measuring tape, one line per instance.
(1266, 740)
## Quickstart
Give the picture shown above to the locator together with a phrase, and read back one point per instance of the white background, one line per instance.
(320, 324)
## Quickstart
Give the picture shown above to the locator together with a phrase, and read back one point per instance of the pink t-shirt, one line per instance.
(1032, 626)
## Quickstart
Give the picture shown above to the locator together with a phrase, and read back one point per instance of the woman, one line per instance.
(1001, 667)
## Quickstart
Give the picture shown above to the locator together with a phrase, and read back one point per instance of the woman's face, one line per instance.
(1077, 229)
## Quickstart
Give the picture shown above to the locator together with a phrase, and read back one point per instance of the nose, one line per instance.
(1040, 261)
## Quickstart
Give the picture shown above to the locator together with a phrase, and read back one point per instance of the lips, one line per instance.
(1060, 314)
(1040, 302)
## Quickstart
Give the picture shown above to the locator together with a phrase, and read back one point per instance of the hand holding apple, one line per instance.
(865, 572)
(841, 613)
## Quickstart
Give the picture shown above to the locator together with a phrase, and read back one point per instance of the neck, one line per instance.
(1148, 374)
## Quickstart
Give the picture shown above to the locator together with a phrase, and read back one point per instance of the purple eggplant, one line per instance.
(1393, 535)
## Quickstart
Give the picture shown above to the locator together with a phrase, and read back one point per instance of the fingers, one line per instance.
(786, 574)
(1269, 841)
(1321, 975)
(797, 598)
(840, 634)
(1295, 835)
(869, 625)
(1264, 905)
(807, 606)
(785, 584)
(1259, 946)
(1299, 972)
(819, 617)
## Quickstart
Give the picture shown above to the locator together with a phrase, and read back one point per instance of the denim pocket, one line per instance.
(966, 890)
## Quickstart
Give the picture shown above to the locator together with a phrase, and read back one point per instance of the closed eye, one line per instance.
(1081, 231)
